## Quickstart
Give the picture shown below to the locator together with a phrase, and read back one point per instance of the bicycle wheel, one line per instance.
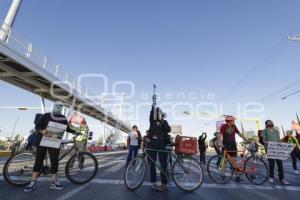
(256, 170)
(18, 169)
(220, 169)
(187, 174)
(135, 173)
(81, 168)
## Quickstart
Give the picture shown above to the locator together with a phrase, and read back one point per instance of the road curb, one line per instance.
(4, 154)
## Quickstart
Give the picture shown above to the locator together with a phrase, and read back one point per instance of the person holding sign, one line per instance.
(50, 129)
(271, 135)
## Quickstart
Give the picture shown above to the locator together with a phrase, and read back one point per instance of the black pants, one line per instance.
(40, 156)
(295, 155)
(158, 144)
(218, 151)
(202, 155)
(280, 168)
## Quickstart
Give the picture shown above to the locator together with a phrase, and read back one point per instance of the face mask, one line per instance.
(57, 109)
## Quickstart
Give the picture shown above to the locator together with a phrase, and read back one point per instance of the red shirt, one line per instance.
(228, 133)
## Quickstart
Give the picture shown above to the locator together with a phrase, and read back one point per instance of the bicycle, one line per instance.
(80, 168)
(185, 168)
(221, 168)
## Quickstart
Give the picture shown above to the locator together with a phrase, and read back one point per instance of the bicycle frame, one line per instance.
(74, 147)
(170, 152)
(233, 162)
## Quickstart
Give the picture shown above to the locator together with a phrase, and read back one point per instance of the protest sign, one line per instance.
(280, 151)
(54, 135)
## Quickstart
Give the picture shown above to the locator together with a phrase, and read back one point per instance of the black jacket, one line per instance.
(159, 129)
(201, 142)
(46, 118)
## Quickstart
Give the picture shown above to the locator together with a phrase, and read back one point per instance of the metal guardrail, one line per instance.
(15, 42)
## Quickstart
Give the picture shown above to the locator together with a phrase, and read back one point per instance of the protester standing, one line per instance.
(270, 134)
(227, 138)
(133, 143)
(41, 128)
(213, 143)
(159, 139)
(31, 141)
(81, 140)
(289, 138)
(202, 147)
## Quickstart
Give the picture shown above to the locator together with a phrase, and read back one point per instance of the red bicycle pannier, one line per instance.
(186, 145)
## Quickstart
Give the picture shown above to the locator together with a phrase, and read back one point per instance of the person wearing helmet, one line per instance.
(289, 138)
(41, 128)
(270, 134)
(159, 139)
(227, 137)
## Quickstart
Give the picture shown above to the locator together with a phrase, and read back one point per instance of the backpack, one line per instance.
(212, 142)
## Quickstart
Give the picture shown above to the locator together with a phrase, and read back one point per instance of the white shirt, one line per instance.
(133, 136)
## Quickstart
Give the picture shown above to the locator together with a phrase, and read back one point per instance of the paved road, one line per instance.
(109, 185)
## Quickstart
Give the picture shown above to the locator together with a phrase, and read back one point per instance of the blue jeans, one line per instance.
(132, 150)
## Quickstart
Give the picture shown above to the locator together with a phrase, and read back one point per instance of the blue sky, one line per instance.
(182, 46)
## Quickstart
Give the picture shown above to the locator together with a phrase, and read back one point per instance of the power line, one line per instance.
(280, 91)
(285, 97)
(251, 73)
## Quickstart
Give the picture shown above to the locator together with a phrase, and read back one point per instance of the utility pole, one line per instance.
(9, 19)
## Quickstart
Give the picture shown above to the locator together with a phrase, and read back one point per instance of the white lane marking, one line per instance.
(110, 153)
(204, 185)
(112, 163)
(73, 192)
(207, 185)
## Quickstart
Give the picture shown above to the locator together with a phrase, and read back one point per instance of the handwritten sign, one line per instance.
(280, 151)
(54, 135)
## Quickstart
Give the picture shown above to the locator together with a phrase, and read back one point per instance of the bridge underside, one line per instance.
(39, 82)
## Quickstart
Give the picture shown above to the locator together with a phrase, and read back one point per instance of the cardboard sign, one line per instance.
(55, 132)
(280, 151)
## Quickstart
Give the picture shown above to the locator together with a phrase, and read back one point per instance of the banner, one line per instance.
(54, 135)
(280, 151)
(76, 120)
(295, 126)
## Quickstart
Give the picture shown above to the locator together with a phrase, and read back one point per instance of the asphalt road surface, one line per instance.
(109, 185)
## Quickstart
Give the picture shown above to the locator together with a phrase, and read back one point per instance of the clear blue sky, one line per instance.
(182, 46)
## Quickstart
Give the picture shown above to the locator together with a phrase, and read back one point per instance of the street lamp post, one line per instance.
(9, 19)
(13, 133)
(295, 38)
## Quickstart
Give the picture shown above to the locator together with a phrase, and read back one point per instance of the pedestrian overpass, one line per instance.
(23, 66)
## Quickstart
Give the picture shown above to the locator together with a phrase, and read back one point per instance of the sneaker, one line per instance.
(31, 187)
(271, 180)
(154, 186)
(56, 186)
(297, 172)
(238, 179)
(284, 182)
(163, 188)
